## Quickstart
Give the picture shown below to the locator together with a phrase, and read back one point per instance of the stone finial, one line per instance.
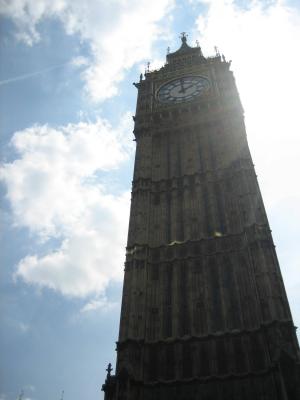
(109, 370)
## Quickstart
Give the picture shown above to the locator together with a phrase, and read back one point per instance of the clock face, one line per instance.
(182, 89)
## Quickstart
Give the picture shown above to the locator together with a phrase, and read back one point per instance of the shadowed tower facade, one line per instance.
(204, 311)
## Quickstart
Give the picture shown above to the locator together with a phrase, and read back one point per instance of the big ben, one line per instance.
(204, 314)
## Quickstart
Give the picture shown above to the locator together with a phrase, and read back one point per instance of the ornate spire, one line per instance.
(184, 50)
(183, 36)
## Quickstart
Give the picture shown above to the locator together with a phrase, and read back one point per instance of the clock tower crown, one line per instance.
(185, 51)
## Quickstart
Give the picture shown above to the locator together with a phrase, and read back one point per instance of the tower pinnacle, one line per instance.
(183, 36)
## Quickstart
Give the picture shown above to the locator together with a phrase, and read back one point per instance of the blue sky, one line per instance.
(66, 101)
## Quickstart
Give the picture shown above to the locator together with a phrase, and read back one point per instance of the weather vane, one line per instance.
(183, 35)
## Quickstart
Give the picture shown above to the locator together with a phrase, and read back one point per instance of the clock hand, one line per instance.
(187, 87)
(182, 90)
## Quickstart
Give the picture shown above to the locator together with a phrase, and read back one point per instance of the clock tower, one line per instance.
(204, 311)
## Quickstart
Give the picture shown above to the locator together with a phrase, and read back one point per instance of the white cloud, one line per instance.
(120, 33)
(263, 39)
(56, 189)
(99, 304)
(80, 61)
